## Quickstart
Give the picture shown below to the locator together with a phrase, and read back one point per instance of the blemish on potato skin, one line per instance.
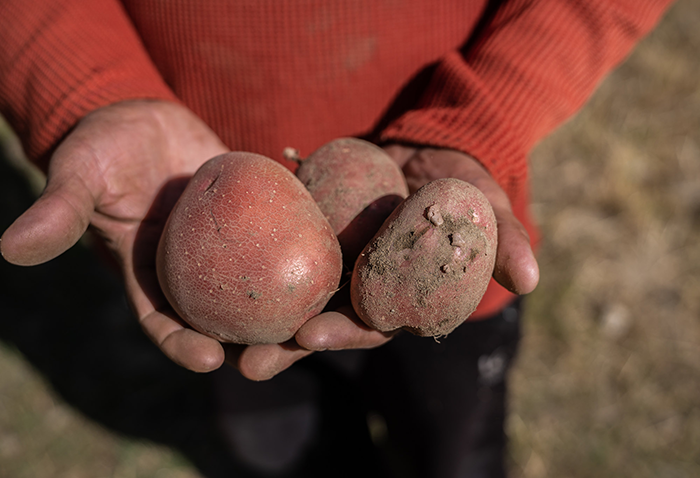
(456, 240)
(433, 215)
(474, 216)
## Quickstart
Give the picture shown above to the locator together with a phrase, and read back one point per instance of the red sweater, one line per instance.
(486, 78)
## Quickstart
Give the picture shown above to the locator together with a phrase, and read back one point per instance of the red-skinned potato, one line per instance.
(357, 186)
(428, 267)
(246, 255)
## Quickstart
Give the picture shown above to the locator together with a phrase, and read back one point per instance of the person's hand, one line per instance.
(516, 267)
(121, 169)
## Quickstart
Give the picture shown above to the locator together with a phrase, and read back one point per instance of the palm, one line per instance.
(119, 170)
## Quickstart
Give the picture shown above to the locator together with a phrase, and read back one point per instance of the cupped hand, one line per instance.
(120, 170)
(516, 267)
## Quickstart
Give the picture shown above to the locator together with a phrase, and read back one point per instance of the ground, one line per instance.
(608, 377)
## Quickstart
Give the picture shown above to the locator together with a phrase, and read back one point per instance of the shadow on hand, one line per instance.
(148, 237)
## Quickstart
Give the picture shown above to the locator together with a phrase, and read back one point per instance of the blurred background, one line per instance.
(608, 381)
(608, 378)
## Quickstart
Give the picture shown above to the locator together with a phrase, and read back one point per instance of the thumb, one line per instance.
(51, 225)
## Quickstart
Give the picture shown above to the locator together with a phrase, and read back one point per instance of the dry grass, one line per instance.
(608, 381)
(40, 436)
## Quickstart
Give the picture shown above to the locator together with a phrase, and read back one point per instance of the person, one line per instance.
(118, 102)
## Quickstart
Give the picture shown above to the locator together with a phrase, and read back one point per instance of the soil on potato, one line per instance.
(439, 265)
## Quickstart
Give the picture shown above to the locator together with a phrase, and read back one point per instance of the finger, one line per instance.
(262, 362)
(516, 267)
(52, 225)
(182, 345)
(339, 330)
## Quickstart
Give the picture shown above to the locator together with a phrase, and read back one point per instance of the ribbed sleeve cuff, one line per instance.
(460, 114)
(65, 60)
(96, 90)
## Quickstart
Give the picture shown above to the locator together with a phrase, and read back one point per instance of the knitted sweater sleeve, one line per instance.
(528, 68)
(64, 58)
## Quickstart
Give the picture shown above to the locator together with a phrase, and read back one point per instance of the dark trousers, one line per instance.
(415, 407)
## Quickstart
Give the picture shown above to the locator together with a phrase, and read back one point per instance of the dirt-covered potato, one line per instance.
(357, 186)
(246, 255)
(429, 265)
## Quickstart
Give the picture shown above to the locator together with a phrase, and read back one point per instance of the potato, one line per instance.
(357, 186)
(430, 263)
(246, 255)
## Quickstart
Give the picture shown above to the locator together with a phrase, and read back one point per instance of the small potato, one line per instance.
(246, 255)
(428, 267)
(357, 186)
